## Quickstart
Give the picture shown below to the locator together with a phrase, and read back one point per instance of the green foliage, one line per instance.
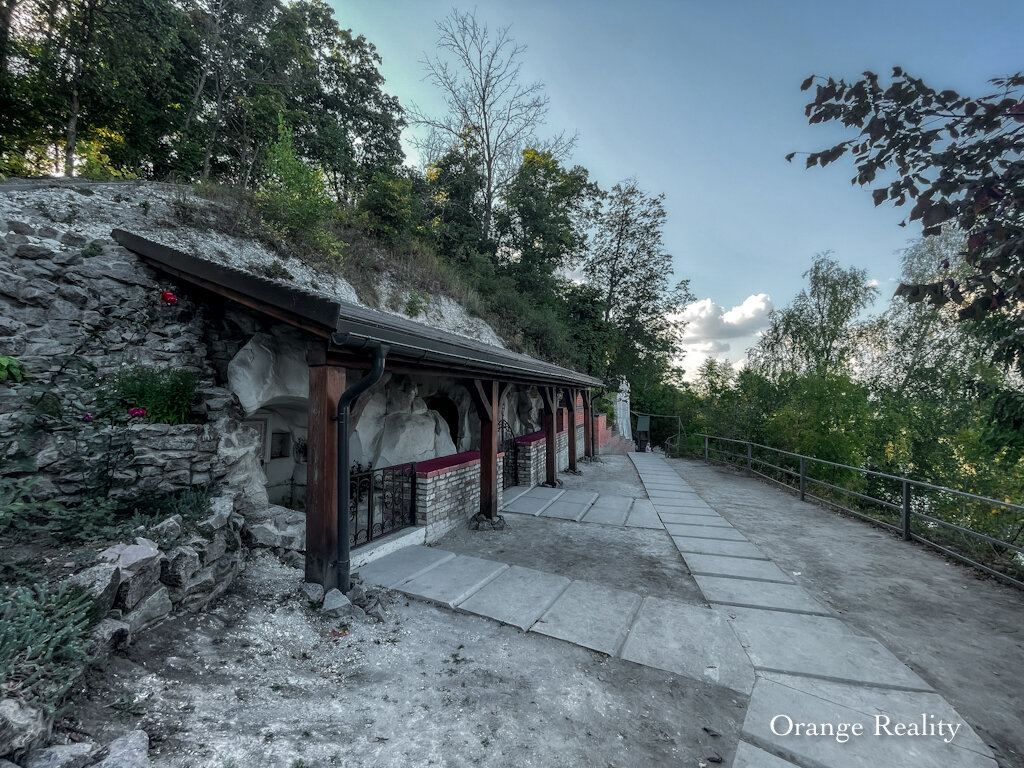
(959, 159)
(628, 264)
(276, 271)
(817, 332)
(166, 394)
(91, 249)
(417, 303)
(44, 635)
(293, 197)
(11, 369)
(389, 210)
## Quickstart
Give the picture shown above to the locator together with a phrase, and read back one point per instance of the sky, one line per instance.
(701, 101)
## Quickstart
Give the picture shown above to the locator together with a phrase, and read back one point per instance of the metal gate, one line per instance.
(507, 444)
(381, 501)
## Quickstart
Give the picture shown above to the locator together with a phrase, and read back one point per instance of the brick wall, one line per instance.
(532, 456)
(447, 496)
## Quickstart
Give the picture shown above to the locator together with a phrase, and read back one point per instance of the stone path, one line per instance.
(810, 667)
(685, 639)
(581, 506)
(763, 635)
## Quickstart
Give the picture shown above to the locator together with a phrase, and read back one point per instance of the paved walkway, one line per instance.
(763, 635)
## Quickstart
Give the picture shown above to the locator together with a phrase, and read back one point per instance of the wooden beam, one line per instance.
(326, 384)
(588, 425)
(550, 400)
(489, 392)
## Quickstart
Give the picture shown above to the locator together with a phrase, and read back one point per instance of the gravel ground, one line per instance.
(264, 680)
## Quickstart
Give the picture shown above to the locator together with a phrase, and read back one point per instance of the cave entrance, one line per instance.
(448, 411)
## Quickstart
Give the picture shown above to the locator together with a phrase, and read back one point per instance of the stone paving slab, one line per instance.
(511, 494)
(670, 496)
(591, 615)
(686, 544)
(544, 492)
(643, 515)
(609, 510)
(683, 503)
(518, 596)
(566, 510)
(735, 567)
(848, 658)
(704, 532)
(398, 567)
(757, 617)
(665, 487)
(757, 594)
(689, 640)
(454, 580)
(528, 504)
(711, 518)
(807, 700)
(749, 756)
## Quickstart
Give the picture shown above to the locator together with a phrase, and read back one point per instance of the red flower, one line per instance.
(169, 298)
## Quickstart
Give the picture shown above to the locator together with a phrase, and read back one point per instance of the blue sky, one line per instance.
(701, 101)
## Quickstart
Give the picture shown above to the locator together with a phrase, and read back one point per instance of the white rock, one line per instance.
(62, 756)
(129, 751)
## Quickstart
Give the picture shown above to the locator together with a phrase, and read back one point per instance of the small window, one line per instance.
(280, 445)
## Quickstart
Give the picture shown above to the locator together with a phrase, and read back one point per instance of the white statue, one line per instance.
(622, 422)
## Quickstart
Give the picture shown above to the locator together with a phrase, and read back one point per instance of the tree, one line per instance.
(628, 264)
(816, 333)
(960, 160)
(543, 225)
(488, 105)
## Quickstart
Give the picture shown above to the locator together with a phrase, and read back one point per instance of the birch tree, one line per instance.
(479, 74)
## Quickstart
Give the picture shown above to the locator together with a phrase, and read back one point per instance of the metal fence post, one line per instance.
(750, 457)
(705, 449)
(803, 478)
(906, 510)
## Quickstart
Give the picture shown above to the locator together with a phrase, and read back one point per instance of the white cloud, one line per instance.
(706, 320)
(874, 283)
(712, 331)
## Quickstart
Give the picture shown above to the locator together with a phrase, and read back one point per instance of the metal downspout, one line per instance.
(380, 352)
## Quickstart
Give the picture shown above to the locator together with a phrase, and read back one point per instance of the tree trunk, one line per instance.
(6, 11)
(71, 133)
(208, 156)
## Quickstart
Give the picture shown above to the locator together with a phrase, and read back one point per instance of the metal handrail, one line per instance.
(904, 510)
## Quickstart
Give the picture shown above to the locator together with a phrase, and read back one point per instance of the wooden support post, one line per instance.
(570, 403)
(547, 395)
(588, 426)
(326, 384)
(486, 395)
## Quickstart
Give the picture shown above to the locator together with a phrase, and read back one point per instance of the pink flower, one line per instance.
(136, 413)
(86, 417)
(169, 298)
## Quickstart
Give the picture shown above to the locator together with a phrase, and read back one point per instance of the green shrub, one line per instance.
(11, 369)
(166, 394)
(92, 249)
(293, 198)
(44, 635)
(417, 303)
(276, 271)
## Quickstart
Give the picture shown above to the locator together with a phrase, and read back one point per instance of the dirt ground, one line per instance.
(264, 680)
(958, 629)
(636, 559)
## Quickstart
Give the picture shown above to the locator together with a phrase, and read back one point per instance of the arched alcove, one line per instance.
(448, 411)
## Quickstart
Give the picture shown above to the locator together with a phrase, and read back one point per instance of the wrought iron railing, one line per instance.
(381, 501)
(980, 531)
(510, 464)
